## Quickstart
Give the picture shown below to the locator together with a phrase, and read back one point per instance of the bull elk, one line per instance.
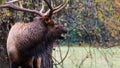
(27, 41)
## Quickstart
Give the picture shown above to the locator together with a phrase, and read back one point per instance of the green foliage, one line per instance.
(98, 20)
(2, 1)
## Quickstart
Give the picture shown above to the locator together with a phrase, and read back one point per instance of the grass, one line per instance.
(88, 57)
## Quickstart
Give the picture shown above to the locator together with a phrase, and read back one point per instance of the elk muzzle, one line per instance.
(63, 32)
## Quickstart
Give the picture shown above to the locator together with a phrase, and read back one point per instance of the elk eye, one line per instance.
(56, 27)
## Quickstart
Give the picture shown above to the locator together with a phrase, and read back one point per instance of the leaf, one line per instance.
(9, 13)
(2, 1)
(65, 24)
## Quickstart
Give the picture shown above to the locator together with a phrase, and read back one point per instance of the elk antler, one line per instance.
(12, 6)
(40, 13)
(54, 10)
(13, 1)
(60, 7)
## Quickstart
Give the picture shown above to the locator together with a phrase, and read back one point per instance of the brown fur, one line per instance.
(26, 41)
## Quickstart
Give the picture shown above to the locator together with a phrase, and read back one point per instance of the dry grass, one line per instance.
(89, 57)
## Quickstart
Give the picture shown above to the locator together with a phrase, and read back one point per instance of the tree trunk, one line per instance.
(3, 56)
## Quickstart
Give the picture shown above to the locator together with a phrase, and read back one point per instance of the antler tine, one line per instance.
(42, 8)
(50, 10)
(60, 7)
(55, 10)
(20, 4)
(12, 1)
(12, 6)
(49, 4)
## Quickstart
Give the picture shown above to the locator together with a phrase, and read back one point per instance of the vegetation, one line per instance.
(88, 57)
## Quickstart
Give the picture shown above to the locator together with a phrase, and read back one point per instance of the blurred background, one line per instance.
(93, 38)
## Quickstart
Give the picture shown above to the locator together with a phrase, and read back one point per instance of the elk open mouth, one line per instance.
(62, 36)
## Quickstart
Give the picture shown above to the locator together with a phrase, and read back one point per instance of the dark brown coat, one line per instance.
(29, 40)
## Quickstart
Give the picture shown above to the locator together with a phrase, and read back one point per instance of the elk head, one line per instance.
(55, 29)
